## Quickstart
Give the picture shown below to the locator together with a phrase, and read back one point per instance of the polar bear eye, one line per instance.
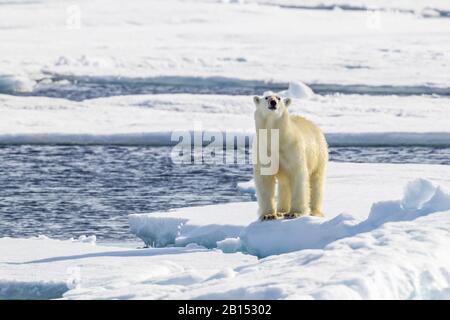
(267, 98)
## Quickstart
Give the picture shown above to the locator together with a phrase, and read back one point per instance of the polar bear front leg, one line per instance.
(265, 192)
(300, 194)
(284, 196)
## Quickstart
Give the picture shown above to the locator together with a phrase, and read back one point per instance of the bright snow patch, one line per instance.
(398, 260)
(275, 237)
(298, 90)
(350, 47)
(398, 251)
(349, 189)
(394, 254)
(192, 225)
(347, 120)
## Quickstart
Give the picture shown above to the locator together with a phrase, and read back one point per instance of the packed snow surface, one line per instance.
(151, 119)
(275, 237)
(362, 42)
(367, 72)
(349, 198)
(400, 251)
(396, 50)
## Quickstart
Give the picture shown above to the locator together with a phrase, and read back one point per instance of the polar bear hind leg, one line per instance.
(317, 182)
(300, 188)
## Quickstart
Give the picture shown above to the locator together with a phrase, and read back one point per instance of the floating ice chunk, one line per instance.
(156, 231)
(202, 225)
(232, 227)
(281, 236)
(208, 235)
(431, 13)
(86, 239)
(298, 90)
(16, 83)
(247, 186)
(32, 290)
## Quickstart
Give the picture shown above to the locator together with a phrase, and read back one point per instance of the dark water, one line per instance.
(67, 191)
(80, 88)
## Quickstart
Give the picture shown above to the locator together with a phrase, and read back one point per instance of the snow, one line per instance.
(417, 6)
(390, 50)
(369, 73)
(45, 268)
(276, 237)
(397, 45)
(402, 260)
(193, 224)
(393, 254)
(298, 90)
(151, 119)
(346, 182)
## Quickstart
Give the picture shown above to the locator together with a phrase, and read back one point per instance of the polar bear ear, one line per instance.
(256, 100)
(287, 102)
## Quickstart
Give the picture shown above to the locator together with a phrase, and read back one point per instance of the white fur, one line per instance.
(303, 157)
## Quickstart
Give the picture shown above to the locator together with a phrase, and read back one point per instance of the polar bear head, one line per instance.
(271, 104)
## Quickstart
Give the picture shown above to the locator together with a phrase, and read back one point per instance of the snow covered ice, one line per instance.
(403, 255)
(331, 59)
(232, 227)
(369, 73)
(277, 237)
(404, 44)
(391, 243)
(360, 120)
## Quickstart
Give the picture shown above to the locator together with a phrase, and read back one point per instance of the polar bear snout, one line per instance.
(272, 104)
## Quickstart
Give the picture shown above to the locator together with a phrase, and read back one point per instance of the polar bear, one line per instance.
(302, 160)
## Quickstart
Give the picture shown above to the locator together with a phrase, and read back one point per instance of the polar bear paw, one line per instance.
(269, 216)
(317, 214)
(293, 215)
